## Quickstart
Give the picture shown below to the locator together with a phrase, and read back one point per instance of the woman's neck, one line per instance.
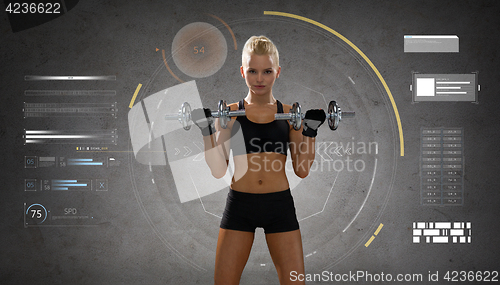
(260, 99)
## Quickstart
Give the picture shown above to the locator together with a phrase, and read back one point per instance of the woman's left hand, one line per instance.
(313, 119)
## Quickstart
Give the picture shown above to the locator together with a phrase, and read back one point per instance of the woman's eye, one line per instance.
(252, 71)
(268, 71)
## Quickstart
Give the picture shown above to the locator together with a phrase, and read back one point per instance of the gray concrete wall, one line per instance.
(139, 232)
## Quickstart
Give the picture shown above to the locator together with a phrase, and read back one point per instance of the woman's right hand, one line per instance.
(202, 118)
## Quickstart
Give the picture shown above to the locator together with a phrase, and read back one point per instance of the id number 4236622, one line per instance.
(471, 276)
(33, 8)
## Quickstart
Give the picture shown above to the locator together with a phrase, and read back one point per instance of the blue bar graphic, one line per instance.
(70, 185)
(80, 159)
(59, 188)
(85, 163)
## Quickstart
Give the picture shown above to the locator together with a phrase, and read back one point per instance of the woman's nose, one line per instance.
(259, 77)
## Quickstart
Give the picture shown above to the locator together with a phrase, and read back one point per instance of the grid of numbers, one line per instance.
(442, 166)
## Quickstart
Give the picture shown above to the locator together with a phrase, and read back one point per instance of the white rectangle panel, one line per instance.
(440, 239)
(443, 225)
(426, 87)
(429, 232)
(456, 232)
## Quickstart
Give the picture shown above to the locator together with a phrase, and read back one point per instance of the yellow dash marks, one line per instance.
(379, 228)
(135, 95)
(369, 241)
(396, 113)
(375, 233)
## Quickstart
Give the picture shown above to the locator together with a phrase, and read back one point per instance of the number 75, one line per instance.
(37, 213)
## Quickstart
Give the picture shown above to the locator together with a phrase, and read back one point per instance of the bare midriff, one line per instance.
(259, 173)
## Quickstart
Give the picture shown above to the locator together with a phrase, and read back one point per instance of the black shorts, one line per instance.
(275, 212)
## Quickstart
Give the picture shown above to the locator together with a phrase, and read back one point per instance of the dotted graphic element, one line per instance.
(442, 232)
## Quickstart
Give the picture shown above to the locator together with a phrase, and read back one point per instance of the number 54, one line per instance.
(198, 50)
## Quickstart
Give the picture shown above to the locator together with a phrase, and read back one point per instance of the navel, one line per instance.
(260, 182)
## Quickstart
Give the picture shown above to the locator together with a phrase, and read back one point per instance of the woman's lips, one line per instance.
(259, 86)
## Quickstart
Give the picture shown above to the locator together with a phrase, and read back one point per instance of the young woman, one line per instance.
(259, 195)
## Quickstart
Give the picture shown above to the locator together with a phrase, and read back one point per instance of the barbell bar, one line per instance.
(295, 116)
(183, 116)
(224, 114)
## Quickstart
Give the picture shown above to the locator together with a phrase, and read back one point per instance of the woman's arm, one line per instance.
(302, 150)
(217, 147)
(303, 142)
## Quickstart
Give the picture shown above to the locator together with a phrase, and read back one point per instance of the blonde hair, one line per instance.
(260, 45)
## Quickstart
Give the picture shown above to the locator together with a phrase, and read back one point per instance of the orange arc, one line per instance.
(227, 26)
(170, 70)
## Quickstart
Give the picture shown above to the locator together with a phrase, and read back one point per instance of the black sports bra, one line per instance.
(250, 137)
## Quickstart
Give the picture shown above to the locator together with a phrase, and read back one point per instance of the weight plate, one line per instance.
(223, 113)
(185, 116)
(333, 115)
(296, 116)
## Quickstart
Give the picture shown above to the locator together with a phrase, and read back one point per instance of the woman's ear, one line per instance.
(278, 72)
(242, 72)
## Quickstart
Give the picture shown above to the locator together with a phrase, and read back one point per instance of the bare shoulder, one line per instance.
(233, 106)
(286, 108)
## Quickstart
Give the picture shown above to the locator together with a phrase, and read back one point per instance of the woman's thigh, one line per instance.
(286, 252)
(233, 249)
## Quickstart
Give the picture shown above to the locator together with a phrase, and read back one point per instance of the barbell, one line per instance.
(295, 116)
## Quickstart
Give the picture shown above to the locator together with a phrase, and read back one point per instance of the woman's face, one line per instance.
(260, 72)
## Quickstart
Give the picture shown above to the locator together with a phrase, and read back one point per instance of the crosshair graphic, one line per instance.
(338, 209)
